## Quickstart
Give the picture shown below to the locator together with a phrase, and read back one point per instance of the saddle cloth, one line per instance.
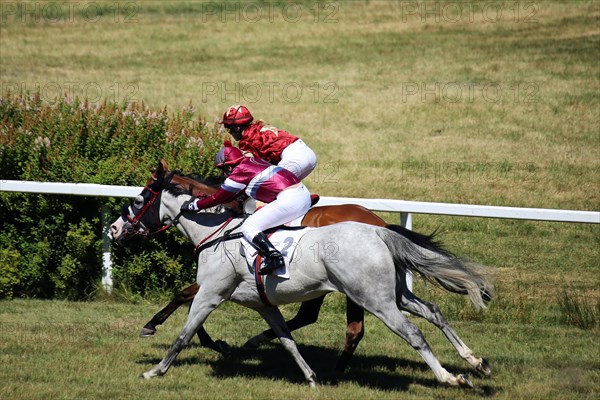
(285, 241)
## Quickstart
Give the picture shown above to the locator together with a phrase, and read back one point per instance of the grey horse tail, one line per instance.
(439, 266)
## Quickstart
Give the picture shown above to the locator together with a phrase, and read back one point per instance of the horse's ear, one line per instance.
(160, 170)
(158, 173)
(164, 165)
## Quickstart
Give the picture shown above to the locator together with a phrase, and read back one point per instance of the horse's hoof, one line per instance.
(484, 368)
(340, 369)
(486, 295)
(464, 382)
(222, 347)
(145, 332)
(251, 344)
(146, 376)
(255, 342)
(342, 363)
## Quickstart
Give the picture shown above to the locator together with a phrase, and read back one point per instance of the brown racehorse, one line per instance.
(309, 310)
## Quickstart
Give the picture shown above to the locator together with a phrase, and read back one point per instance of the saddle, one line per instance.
(284, 238)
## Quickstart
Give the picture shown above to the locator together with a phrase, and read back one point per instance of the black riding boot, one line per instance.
(273, 258)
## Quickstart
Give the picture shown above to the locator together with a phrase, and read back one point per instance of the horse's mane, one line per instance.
(214, 181)
(176, 190)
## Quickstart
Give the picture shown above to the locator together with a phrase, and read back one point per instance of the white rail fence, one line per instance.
(404, 208)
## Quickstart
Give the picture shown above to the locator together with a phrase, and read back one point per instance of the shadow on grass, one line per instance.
(272, 362)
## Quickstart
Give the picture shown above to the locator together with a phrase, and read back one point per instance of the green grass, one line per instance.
(91, 351)
(580, 312)
(396, 104)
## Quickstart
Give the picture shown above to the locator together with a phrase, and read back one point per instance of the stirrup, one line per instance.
(272, 262)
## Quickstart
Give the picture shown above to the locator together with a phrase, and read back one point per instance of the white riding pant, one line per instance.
(290, 204)
(299, 159)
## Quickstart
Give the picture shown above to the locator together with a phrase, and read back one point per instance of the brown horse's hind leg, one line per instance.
(219, 346)
(355, 331)
(307, 314)
(185, 296)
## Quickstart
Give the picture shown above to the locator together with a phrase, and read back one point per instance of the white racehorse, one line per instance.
(367, 263)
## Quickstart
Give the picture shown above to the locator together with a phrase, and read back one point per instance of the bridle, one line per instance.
(148, 214)
(137, 226)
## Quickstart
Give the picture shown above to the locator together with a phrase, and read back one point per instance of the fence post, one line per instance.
(107, 281)
(406, 221)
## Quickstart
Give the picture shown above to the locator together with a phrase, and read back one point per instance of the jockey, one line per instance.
(286, 198)
(269, 143)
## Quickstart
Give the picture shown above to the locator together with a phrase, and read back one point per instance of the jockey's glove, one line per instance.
(189, 206)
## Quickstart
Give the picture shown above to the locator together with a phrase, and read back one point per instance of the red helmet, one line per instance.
(228, 155)
(237, 115)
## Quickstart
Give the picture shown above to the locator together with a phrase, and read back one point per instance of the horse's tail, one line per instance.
(421, 254)
(427, 241)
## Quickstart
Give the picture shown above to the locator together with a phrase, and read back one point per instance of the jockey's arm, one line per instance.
(228, 191)
(218, 197)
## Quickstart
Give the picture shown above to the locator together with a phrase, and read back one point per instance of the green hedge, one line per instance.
(50, 245)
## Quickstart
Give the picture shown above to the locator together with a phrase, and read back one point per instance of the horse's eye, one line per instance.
(138, 202)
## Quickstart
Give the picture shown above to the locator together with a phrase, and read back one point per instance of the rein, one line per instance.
(227, 235)
(139, 229)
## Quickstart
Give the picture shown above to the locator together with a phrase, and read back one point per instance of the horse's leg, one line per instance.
(220, 346)
(202, 306)
(355, 331)
(307, 314)
(431, 312)
(400, 325)
(276, 321)
(185, 296)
